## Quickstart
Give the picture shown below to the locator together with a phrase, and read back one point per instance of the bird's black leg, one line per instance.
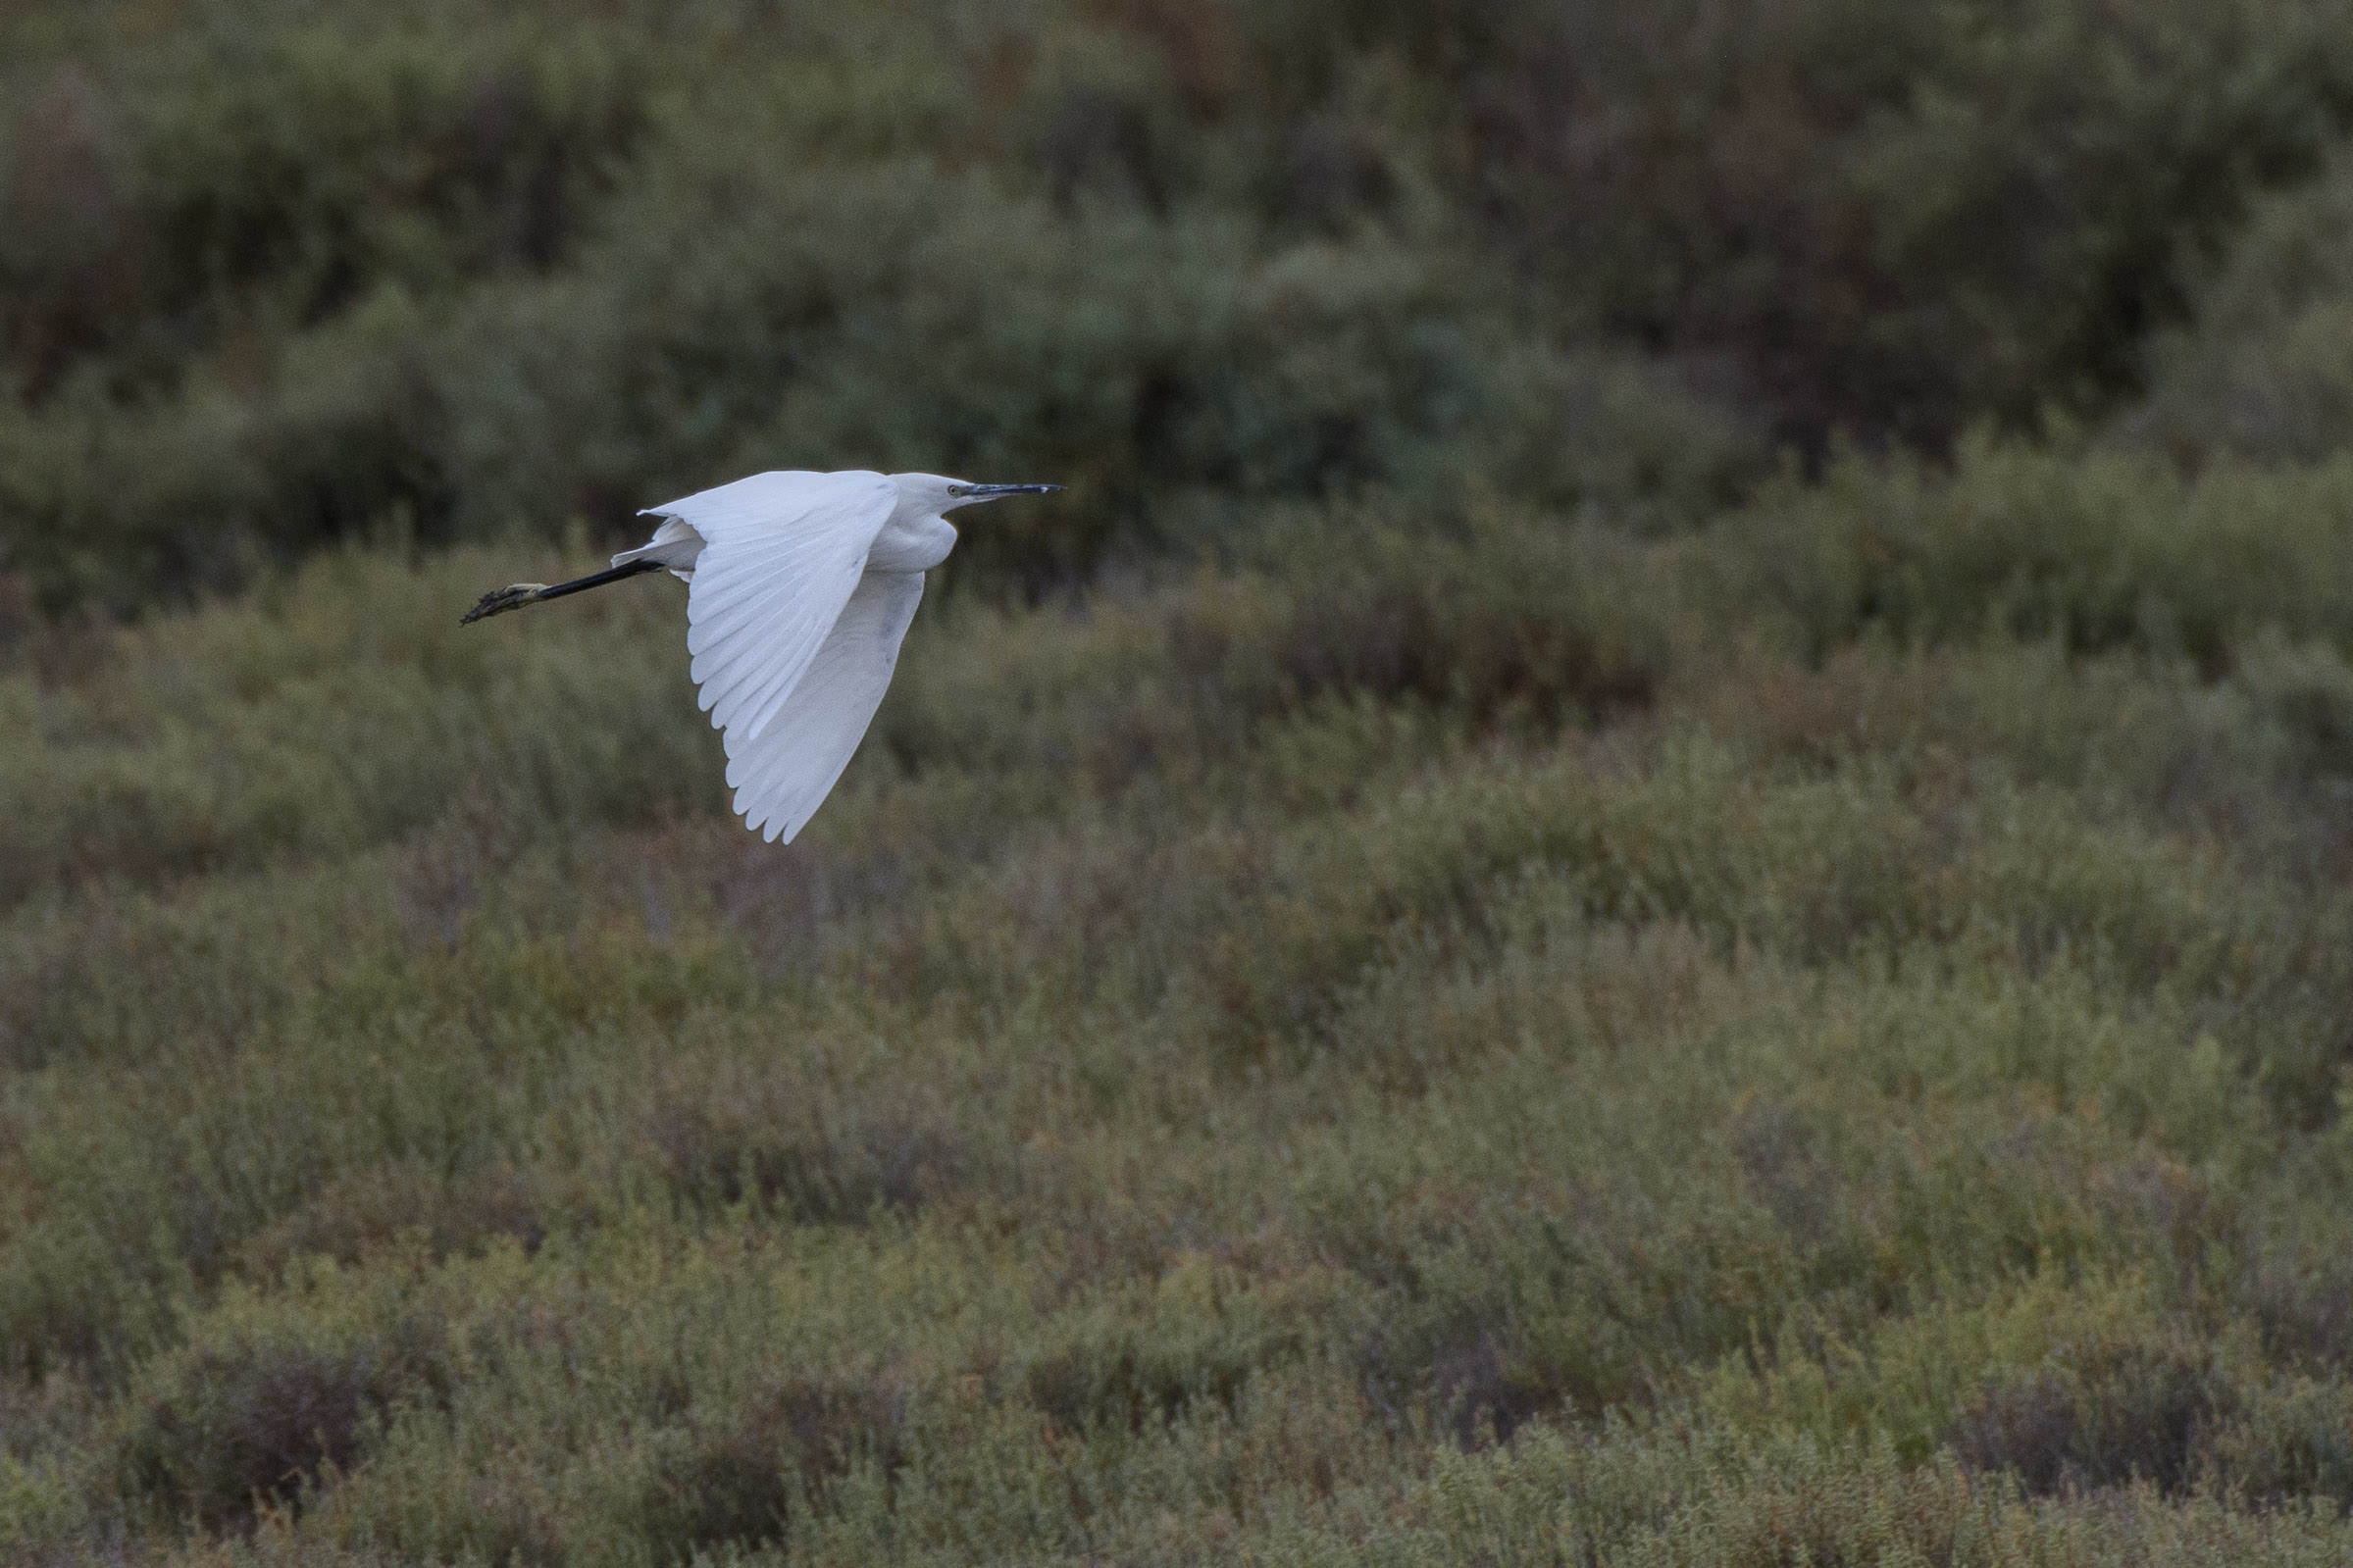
(515, 595)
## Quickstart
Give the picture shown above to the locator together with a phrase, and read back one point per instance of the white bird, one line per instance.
(800, 586)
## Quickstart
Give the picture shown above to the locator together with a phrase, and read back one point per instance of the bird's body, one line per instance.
(914, 543)
(799, 587)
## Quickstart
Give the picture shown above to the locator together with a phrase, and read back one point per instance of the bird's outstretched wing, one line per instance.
(784, 773)
(782, 554)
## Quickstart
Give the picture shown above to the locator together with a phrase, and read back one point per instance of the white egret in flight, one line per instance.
(800, 586)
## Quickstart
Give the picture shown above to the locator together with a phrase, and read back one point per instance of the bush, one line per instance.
(1894, 222)
(738, 1480)
(2097, 551)
(450, 279)
(2101, 1417)
(233, 1428)
(282, 172)
(2262, 369)
(470, 303)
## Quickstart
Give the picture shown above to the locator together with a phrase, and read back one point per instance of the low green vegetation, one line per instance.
(1821, 1036)
(1654, 867)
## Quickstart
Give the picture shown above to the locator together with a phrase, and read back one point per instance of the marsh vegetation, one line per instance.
(1762, 975)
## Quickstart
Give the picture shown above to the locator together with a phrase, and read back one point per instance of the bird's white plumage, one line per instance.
(782, 774)
(781, 556)
(799, 588)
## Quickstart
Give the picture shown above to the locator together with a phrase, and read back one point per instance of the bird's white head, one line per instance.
(931, 495)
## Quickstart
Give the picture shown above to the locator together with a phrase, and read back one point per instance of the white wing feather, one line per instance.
(780, 775)
(782, 554)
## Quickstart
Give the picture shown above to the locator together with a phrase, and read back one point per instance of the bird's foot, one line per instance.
(514, 596)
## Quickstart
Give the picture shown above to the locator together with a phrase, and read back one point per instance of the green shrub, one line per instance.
(1893, 220)
(738, 1482)
(2097, 551)
(440, 276)
(246, 1423)
(2259, 370)
(2103, 1417)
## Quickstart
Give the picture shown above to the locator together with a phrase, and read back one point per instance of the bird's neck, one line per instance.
(912, 543)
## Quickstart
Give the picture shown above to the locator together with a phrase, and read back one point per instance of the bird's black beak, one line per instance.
(990, 493)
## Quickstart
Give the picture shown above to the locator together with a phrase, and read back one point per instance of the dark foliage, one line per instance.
(249, 1426)
(275, 286)
(2102, 1416)
(736, 1479)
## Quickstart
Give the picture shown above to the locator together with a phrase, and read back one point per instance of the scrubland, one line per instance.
(1655, 867)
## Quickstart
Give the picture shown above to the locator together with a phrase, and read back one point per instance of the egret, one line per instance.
(799, 587)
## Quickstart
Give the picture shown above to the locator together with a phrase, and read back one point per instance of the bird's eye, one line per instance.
(959, 489)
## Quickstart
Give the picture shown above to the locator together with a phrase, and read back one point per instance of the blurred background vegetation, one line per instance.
(1653, 867)
(279, 272)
